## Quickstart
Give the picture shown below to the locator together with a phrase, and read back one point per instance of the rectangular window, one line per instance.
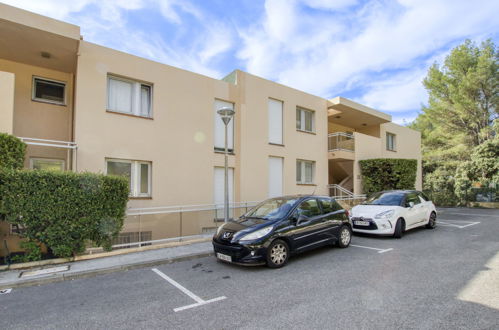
(129, 96)
(275, 176)
(138, 174)
(390, 142)
(275, 121)
(305, 120)
(305, 171)
(50, 91)
(219, 190)
(47, 164)
(220, 127)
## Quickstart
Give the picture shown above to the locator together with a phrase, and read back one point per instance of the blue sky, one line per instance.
(374, 52)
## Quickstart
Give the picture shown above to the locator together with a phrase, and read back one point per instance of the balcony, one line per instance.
(341, 141)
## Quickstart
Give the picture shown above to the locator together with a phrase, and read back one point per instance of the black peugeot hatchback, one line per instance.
(278, 227)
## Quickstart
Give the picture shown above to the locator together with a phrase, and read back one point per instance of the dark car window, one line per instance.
(386, 198)
(309, 208)
(412, 197)
(329, 205)
(423, 196)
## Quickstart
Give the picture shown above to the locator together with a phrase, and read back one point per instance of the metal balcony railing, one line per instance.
(341, 141)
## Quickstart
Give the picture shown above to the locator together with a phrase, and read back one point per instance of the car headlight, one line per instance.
(384, 215)
(219, 229)
(256, 234)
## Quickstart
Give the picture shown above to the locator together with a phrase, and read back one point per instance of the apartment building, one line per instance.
(84, 107)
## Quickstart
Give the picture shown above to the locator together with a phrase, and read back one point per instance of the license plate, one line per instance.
(361, 223)
(224, 257)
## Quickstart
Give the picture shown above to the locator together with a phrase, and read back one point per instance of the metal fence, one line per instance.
(341, 141)
(157, 225)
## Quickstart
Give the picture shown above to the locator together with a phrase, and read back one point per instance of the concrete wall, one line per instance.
(7, 81)
(36, 119)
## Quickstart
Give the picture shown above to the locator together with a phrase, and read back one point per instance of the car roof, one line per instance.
(405, 191)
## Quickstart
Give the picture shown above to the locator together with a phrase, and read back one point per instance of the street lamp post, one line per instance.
(226, 114)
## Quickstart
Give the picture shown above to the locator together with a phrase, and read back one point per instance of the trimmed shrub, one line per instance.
(64, 209)
(387, 173)
(12, 151)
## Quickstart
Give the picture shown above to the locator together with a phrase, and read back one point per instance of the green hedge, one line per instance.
(64, 209)
(387, 173)
(12, 152)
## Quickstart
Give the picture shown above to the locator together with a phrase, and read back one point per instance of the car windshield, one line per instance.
(272, 209)
(387, 198)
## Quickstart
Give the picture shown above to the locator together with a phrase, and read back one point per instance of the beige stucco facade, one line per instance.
(177, 139)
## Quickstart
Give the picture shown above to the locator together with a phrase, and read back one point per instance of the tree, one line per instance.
(463, 93)
(459, 120)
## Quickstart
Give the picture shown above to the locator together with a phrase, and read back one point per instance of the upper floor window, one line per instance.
(129, 96)
(50, 91)
(390, 142)
(305, 120)
(305, 171)
(138, 174)
(220, 127)
(275, 121)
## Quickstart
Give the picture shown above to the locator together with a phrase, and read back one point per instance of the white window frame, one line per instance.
(135, 173)
(136, 96)
(393, 145)
(39, 99)
(301, 163)
(301, 120)
(33, 159)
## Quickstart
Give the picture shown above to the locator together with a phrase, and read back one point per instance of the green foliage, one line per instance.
(32, 252)
(64, 209)
(462, 115)
(12, 152)
(385, 174)
(483, 168)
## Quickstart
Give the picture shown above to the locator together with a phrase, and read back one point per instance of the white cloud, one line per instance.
(361, 45)
(329, 4)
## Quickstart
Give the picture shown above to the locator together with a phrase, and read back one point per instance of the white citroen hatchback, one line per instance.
(393, 212)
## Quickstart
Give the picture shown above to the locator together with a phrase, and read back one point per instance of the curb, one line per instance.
(91, 273)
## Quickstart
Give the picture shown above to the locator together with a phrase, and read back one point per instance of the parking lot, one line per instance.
(445, 278)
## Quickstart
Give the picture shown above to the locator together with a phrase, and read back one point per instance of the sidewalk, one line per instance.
(104, 265)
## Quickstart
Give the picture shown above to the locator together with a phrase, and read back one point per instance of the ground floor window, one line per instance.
(47, 164)
(137, 172)
(305, 171)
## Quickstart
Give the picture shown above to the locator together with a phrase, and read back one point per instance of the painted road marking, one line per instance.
(452, 223)
(199, 300)
(5, 291)
(472, 214)
(371, 248)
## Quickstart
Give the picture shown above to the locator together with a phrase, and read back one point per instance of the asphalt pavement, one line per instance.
(446, 278)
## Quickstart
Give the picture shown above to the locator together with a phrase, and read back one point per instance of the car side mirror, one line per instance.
(411, 204)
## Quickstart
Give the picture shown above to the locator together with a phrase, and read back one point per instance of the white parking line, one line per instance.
(371, 248)
(199, 300)
(453, 213)
(452, 223)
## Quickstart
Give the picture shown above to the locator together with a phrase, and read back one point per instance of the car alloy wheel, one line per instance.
(278, 254)
(432, 222)
(345, 237)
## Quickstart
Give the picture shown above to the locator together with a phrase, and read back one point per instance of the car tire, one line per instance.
(345, 237)
(277, 254)
(432, 222)
(399, 228)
